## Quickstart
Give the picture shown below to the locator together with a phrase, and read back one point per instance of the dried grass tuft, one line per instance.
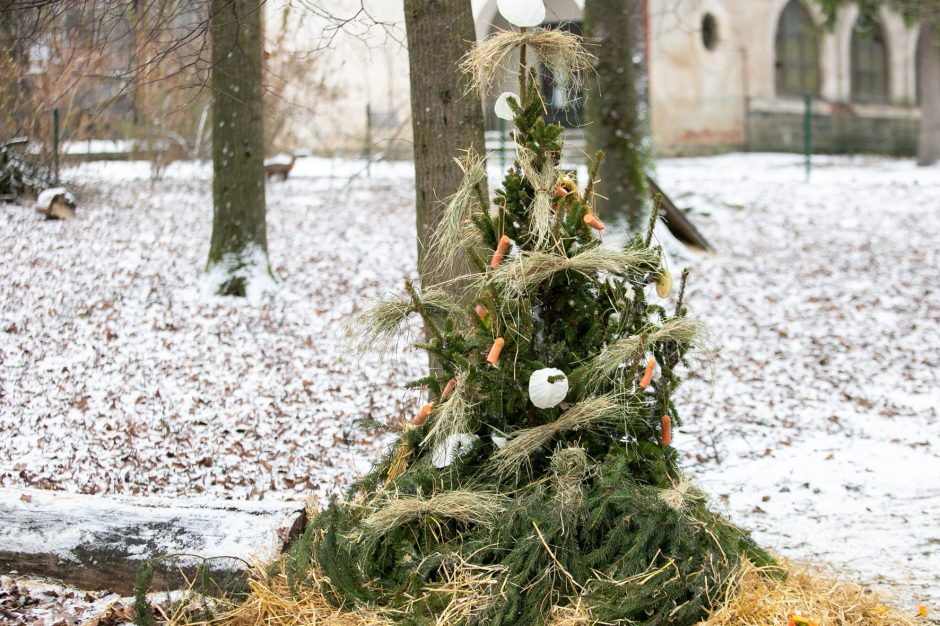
(468, 507)
(560, 51)
(608, 363)
(755, 598)
(521, 274)
(543, 182)
(522, 443)
(454, 233)
(472, 589)
(271, 601)
(451, 414)
(375, 328)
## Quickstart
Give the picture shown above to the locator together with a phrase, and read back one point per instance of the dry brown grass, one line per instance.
(522, 443)
(271, 603)
(753, 599)
(560, 51)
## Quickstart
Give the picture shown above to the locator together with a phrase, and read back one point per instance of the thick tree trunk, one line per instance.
(928, 147)
(238, 261)
(444, 119)
(616, 107)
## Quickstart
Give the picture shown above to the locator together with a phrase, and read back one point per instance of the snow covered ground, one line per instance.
(817, 425)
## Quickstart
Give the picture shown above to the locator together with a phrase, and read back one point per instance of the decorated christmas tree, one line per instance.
(539, 478)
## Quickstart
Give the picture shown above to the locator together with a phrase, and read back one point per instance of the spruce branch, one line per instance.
(422, 311)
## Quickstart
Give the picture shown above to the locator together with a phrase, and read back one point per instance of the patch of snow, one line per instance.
(279, 159)
(46, 196)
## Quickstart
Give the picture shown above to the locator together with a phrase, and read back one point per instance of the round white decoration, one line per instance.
(452, 448)
(522, 13)
(502, 108)
(545, 394)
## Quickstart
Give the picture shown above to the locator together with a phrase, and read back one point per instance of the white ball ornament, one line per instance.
(547, 387)
(502, 108)
(522, 13)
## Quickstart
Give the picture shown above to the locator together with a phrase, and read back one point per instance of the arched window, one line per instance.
(797, 48)
(869, 62)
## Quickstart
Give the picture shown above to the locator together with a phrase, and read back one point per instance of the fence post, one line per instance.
(55, 145)
(808, 131)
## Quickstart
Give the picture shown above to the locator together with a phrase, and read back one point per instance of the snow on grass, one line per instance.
(817, 425)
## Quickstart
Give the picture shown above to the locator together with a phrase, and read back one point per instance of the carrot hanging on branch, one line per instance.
(665, 437)
(448, 388)
(591, 220)
(493, 357)
(423, 414)
(501, 249)
(648, 374)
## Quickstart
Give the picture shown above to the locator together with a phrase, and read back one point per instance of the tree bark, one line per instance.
(444, 119)
(238, 250)
(616, 107)
(928, 145)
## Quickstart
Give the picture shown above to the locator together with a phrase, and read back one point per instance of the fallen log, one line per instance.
(100, 542)
(677, 222)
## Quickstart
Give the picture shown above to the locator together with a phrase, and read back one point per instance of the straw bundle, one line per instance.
(522, 443)
(377, 326)
(468, 507)
(560, 51)
(451, 416)
(682, 330)
(531, 269)
(543, 183)
(454, 233)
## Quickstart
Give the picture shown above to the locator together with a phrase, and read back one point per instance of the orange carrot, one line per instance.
(591, 220)
(448, 388)
(666, 437)
(799, 620)
(648, 374)
(501, 249)
(422, 415)
(493, 356)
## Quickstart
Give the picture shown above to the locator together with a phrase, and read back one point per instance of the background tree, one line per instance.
(444, 119)
(927, 12)
(238, 258)
(616, 106)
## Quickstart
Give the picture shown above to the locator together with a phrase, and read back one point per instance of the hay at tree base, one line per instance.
(755, 598)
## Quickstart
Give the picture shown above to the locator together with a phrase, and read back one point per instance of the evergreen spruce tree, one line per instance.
(542, 477)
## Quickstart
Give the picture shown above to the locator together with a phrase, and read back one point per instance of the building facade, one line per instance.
(723, 75)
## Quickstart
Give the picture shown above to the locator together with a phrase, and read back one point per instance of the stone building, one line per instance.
(723, 75)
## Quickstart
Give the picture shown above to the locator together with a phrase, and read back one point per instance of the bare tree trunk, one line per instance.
(928, 145)
(444, 119)
(616, 106)
(238, 258)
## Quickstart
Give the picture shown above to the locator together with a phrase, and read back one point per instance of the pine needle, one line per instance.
(522, 443)
(520, 274)
(467, 507)
(561, 52)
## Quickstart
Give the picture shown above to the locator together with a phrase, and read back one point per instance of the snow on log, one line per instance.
(99, 542)
(56, 203)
